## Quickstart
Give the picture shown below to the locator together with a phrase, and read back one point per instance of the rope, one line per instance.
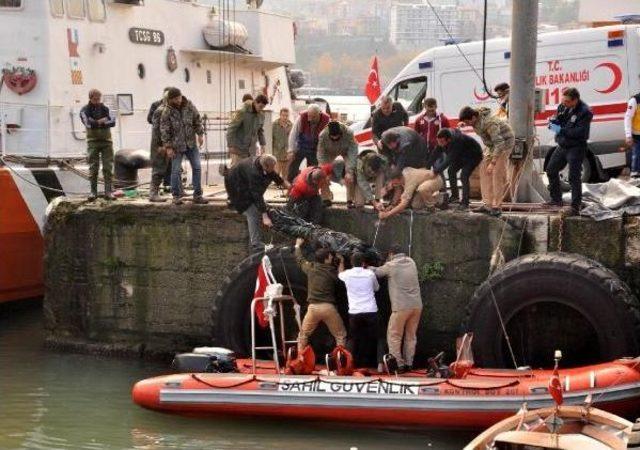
(410, 232)
(319, 379)
(296, 305)
(375, 236)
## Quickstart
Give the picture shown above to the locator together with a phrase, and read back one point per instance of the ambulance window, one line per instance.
(411, 93)
(75, 9)
(10, 4)
(57, 7)
(96, 10)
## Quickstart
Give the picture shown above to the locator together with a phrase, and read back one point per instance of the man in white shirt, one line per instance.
(364, 330)
(632, 133)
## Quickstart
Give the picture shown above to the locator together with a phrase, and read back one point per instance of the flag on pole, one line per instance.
(555, 387)
(372, 89)
(262, 282)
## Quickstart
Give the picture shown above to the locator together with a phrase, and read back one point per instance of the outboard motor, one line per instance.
(205, 360)
(126, 164)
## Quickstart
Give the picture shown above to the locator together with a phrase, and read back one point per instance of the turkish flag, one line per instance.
(261, 286)
(555, 387)
(372, 89)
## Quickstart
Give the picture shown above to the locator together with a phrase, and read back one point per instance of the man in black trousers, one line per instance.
(571, 125)
(457, 152)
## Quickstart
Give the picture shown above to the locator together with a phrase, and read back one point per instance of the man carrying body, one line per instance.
(303, 139)
(460, 153)
(406, 305)
(180, 126)
(499, 141)
(98, 120)
(321, 286)
(338, 140)
(390, 114)
(304, 196)
(246, 130)
(403, 147)
(571, 125)
(429, 122)
(420, 189)
(280, 141)
(246, 184)
(362, 285)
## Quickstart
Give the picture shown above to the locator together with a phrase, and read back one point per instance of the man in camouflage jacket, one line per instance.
(180, 127)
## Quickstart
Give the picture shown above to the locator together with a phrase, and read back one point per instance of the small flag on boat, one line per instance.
(555, 387)
(372, 89)
(262, 282)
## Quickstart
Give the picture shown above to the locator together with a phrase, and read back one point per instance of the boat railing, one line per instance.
(270, 312)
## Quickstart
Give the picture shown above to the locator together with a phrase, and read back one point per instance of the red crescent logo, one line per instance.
(479, 97)
(617, 77)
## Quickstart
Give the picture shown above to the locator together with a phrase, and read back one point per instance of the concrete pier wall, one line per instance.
(139, 279)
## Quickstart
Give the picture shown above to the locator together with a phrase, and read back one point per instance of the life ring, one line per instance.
(20, 81)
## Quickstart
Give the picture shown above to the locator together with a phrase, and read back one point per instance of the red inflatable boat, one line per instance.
(462, 397)
(479, 399)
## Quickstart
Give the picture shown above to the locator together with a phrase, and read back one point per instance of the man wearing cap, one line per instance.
(338, 140)
(304, 196)
(181, 133)
(246, 130)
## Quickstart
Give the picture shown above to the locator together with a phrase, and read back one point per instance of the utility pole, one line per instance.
(524, 42)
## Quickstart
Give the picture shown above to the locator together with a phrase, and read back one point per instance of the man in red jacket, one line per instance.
(304, 196)
(430, 122)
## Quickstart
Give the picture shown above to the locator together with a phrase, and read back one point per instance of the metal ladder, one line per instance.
(280, 300)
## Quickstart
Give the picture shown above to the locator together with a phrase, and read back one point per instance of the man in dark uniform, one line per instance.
(460, 152)
(571, 125)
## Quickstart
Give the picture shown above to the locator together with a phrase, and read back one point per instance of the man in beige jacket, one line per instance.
(406, 305)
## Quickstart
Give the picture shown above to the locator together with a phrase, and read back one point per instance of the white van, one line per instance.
(603, 63)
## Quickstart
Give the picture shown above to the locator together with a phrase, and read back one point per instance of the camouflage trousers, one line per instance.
(96, 151)
(160, 167)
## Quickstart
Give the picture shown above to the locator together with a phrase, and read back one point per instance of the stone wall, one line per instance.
(135, 278)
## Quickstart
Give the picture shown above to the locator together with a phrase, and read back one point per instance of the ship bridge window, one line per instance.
(75, 9)
(57, 7)
(10, 4)
(96, 10)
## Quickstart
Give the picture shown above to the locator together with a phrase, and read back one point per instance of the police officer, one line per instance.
(571, 125)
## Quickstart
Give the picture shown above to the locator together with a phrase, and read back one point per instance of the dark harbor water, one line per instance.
(51, 400)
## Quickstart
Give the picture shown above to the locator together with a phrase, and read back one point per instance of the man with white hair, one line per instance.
(246, 184)
(390, 114)
(303, 139)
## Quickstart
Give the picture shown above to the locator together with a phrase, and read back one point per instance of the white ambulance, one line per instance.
(603, 63)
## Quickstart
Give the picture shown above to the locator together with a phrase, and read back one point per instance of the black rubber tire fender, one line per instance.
(578, 282)
(231, 313)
